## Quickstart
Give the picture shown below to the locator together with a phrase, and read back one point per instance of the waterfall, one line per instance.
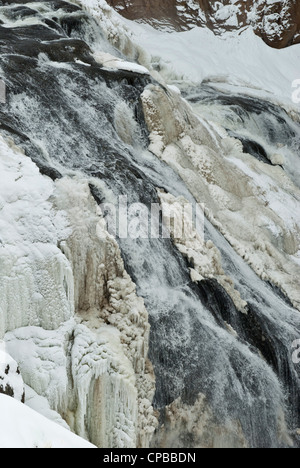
(215, 369)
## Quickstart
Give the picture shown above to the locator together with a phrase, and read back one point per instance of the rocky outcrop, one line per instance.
(278, 23)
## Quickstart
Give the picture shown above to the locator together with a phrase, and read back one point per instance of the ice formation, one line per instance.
(32, 266)
(80, 334)
(216, 366)
(203, 256)
(233, 186)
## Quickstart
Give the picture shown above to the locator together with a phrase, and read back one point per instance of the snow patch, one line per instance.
(238, 60)
(21, 427)
(109, 61)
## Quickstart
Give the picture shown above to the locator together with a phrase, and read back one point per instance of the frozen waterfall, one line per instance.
(148, 341)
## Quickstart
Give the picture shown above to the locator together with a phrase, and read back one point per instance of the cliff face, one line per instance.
(278, 22)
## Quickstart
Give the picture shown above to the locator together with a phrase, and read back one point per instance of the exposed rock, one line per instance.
(278, 23)
(195, 427)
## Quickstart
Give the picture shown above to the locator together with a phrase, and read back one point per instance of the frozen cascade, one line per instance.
(229, 374)
(194, 152)
(72, 369)
(266, 130)
(262, 302)
(32, 266)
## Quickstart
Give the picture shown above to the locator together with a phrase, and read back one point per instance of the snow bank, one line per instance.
(21, 427)
(239, 61)
(109, 61)
(41, 405)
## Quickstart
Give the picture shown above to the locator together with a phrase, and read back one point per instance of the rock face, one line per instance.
(278, 22)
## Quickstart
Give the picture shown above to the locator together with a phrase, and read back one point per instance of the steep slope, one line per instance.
(278, 22)
(22, 427)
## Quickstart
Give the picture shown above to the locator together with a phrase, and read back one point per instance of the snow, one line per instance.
(221, 16)
(70, 315)
(204, 256)
(238, 60)
(285, 205)
(10, 377)
(41, 405)
(57, 261)
(42, 360)
(33, 269)
(79, 62)
(109, 61)
(21, 427)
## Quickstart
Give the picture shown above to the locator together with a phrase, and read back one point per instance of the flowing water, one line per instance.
(74, 117)
(263, 127)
